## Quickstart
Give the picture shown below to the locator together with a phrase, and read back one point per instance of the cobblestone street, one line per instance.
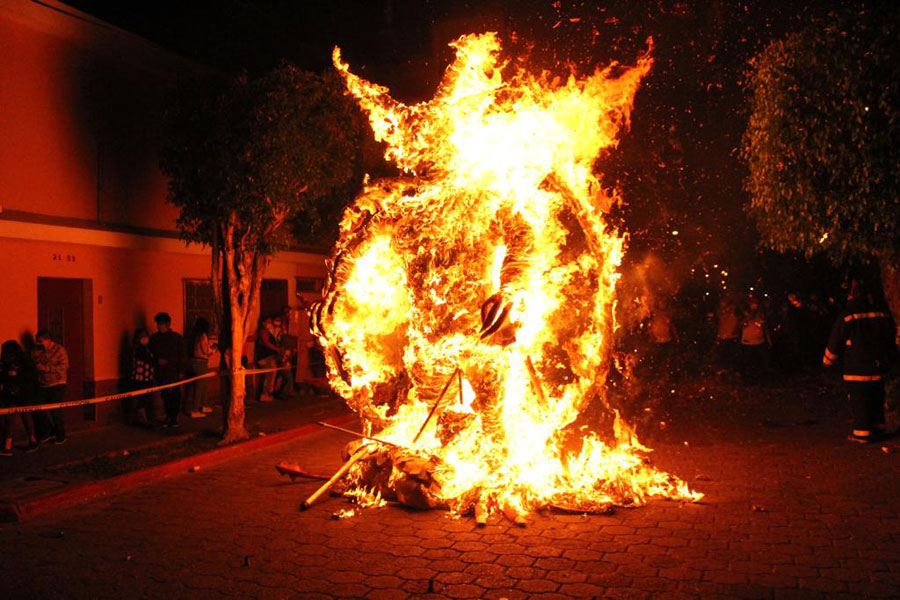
(790, 511)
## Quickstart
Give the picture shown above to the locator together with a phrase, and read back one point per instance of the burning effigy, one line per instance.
(468, 316)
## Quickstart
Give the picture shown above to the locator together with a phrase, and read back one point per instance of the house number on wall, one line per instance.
(64, 257)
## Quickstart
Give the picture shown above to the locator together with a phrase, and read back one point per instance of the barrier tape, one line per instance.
(14, 410)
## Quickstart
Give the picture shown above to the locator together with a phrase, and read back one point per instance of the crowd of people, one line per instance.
(35, 377)
(757, 340)
(38, 376)
(750, 336)
(162, 358)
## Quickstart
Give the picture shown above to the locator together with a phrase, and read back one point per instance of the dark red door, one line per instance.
(62, 304)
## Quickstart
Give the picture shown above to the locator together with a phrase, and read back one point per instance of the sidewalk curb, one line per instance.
(94, 490)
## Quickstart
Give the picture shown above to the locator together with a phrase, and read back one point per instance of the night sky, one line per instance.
(677, 167)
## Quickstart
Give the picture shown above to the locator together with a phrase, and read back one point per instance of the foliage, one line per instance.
(261, 151)
(823, 140)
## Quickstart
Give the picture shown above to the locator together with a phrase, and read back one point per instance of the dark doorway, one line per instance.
(273, 296)
(65, 309)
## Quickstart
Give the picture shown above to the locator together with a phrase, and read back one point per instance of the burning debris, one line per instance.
(468, 316)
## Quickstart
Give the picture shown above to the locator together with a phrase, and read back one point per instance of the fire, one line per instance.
(468, 315)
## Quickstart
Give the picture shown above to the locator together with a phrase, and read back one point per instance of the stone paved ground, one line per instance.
(83, 456)
(791, 511)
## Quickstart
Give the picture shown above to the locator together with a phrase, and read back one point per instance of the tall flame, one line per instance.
(480, 286)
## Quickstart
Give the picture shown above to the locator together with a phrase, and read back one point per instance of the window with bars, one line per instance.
(198, 302)
(310, 285)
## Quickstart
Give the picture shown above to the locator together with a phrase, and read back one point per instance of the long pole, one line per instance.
(436, 404)
(359, 455)
(357, 434)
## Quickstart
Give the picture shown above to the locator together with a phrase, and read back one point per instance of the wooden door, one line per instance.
(62, 308)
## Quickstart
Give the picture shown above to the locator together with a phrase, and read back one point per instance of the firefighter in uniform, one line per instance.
(864, 334)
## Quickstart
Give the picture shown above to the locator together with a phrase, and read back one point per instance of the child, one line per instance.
(143, 372)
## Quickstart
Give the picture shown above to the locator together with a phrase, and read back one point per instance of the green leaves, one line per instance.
(823, 140)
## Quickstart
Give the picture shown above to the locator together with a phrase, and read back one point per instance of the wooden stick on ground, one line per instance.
(481, 512)
(513, 514)
(361, 453)
(294, 471)
(357, 434)
(436, 404)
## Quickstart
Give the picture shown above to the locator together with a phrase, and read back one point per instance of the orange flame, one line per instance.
(480, 285)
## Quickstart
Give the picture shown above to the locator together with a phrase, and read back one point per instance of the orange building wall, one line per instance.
(80, 111)
(47, 164)
(129, 288)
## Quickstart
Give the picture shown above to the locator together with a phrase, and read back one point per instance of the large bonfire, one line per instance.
(469, 313)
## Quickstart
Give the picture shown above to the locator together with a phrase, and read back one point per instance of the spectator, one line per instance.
(290, 344)
(755, 341)
(18, 387)
(198, 391)
(287, 345)
(167, 348)
(663, 336)
(143, 373)
(864, 335)
(248, 361)
(52, 363)
(822, 314)
(225, 377)
(793, 331)
(728, 331)
(267, 354)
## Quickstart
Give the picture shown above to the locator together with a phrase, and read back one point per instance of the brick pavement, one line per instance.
(790, 512)
(85, 445)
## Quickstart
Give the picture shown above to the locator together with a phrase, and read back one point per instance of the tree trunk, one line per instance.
(234, 412)
(242, 269)
(890, 281)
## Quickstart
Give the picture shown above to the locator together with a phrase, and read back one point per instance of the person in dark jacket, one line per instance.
(267, 353)
(864, 338)
(168, 349)
(18, 387)
(756, 342)
(793, 330)
(142, 376)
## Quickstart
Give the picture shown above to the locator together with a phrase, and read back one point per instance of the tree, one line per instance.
(244, 159)
(823, 142)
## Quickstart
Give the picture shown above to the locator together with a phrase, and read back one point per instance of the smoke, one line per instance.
(645, 284)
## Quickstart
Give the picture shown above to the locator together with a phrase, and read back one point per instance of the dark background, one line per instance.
(677, 168)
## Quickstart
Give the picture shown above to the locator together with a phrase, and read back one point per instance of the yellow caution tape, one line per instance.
(13, 410)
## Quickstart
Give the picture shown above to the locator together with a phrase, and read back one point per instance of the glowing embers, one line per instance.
(468, 315)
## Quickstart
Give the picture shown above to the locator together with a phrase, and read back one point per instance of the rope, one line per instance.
(14, 410)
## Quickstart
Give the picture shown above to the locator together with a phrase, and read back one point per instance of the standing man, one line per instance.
(288, 344)
(755, 341)
(793, 332)
(728, 333)
(167, 347)
(864, 333)
(267, 355)
(663, 336)
(52, 363)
